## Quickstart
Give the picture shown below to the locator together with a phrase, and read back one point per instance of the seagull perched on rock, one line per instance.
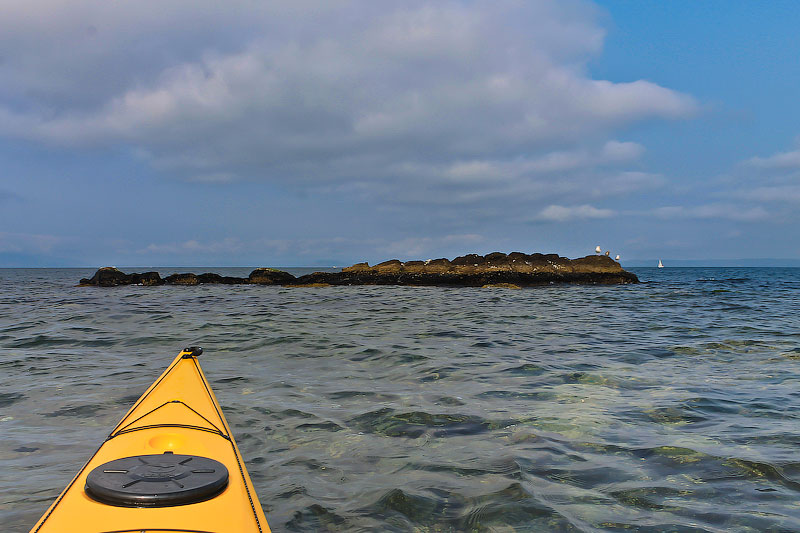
(608, 253)
(598, 250)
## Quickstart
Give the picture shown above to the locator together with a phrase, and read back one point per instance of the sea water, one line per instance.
(671, 405)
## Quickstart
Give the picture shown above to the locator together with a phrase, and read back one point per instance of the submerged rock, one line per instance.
(501, 286)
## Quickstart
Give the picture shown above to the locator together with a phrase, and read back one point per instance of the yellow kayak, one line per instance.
(171, 464)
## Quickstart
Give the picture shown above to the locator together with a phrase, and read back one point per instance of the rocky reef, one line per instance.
(111, 277)
(493, 270)
(496, 269)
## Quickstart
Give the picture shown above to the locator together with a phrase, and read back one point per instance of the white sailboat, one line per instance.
(660, 264)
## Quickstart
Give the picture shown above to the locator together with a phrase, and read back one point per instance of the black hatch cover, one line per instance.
(157, 480)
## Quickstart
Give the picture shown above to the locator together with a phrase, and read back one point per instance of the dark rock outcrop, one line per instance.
(495, 270)
(206, 278)
(270, 276)
(182, 279)
(472, 270)
(210, 277)
(111, 277)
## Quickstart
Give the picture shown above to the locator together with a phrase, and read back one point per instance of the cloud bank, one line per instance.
(782, 160)
(773, 181)
(560, 213)
(462, 100)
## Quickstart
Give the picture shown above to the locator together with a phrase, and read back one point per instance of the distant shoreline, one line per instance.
(715, 263)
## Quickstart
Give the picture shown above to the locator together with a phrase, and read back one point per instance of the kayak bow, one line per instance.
(171, 464)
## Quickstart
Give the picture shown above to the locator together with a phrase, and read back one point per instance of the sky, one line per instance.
(310, 133)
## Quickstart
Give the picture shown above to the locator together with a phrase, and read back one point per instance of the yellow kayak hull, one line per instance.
(179, 415)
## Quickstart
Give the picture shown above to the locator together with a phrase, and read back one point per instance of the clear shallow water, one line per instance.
(667, 406)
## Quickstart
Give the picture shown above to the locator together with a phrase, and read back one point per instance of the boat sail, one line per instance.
(660, 264)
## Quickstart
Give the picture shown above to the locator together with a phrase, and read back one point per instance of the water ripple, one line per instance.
(671, 406)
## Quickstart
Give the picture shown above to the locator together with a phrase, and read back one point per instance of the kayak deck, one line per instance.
(177, 416)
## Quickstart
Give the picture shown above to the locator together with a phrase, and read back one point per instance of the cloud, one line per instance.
(559, 213)
(622, 151)
(230, 245)
(475, 98)
(781, 160)
(773, 193)
(611, 153)
(625, 182)
(493, 171)
(771, 180)
(217, 177)
(414, 247)
(781, 198)
(417, 247)
(235, 245)
(28, 243)
(714, 211)
(512, 187)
